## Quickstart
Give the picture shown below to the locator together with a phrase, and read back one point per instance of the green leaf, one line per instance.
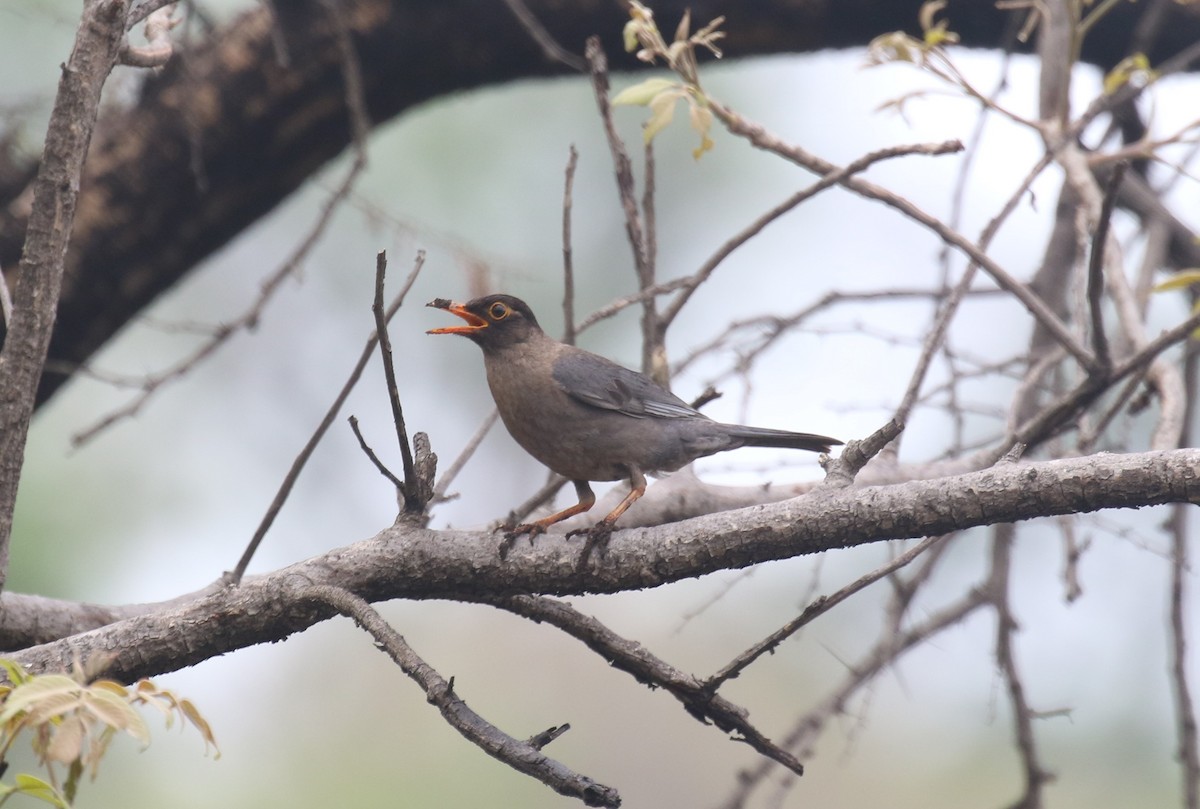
(35, 787)
(701, 119)
(641, 94)
(630, 35)
(59, 689)
(663, 111)
(1181, 280)
(15, 671)
(1135, 68)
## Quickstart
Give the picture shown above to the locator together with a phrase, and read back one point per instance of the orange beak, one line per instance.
(474, 322)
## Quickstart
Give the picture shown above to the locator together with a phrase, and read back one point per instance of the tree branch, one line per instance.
(408, 562)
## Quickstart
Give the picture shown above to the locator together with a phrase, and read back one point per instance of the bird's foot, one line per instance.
(596, 539)
(511, 535)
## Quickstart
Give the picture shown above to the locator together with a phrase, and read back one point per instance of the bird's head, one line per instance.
(493, 321)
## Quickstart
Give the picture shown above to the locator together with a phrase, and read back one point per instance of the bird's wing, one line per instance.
(595, 381)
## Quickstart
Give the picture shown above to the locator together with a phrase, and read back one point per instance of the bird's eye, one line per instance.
(498, 311)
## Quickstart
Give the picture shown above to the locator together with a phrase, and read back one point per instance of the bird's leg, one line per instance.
(587, 499)
(598, 534)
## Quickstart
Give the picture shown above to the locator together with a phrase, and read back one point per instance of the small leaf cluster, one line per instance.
(897, 46)
(71, 723)
(661, 95)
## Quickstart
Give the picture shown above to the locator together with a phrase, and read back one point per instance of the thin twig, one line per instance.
(633, 658)
(373, 458)
(1095, 279)
(1185, 706)
(439, 491)
(997, 589)
(289, 480)
(522, 756)
(360, 126)
(244, 322)
(543, 38)
(351, 69)
(414, 502)
(831, 178)
(622, 165)
(568, 260)
(887, 651)
(935, 340)
(618, 304)
(654, 331)
(758, 135)
(814, 610)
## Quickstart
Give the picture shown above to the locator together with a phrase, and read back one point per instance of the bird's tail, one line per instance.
(760, 437)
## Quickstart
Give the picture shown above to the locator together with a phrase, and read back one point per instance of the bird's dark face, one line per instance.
(493, 321)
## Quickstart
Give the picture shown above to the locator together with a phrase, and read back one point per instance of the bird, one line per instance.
(588, 418)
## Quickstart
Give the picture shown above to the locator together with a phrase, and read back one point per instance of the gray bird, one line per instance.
(588, 418)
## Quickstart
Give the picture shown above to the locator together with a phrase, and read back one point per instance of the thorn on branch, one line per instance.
(540, 740)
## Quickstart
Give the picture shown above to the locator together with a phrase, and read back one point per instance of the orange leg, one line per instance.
(637, 483)
(586, 500)
(598, 534)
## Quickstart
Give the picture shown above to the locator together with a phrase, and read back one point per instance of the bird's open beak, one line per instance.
(474, 322)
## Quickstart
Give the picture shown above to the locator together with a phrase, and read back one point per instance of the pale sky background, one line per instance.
(164, 503)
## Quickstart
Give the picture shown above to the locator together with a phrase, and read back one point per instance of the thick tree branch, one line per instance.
(406, 562)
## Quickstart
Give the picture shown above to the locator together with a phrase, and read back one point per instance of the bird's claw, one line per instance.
(511, 535)
(596, 539)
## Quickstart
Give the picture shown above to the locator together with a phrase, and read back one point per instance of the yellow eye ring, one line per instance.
(498, 311)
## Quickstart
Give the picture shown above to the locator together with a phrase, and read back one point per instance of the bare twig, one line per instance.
(618, 304)
(373, 458)
(523, 756)
(568, 261)
(831, 178)
(623, 166)
(549, 45)
(246, 321)
(1006, 625)
(439, 491)
(1185, 706)
(814, 610)
(351, 68)
(633, 658)
(293, 474)
(360, 126)
(935, 340)
(887, 651)
(415, 497)
(654, 331)
(758, 135)
(1095, 281)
